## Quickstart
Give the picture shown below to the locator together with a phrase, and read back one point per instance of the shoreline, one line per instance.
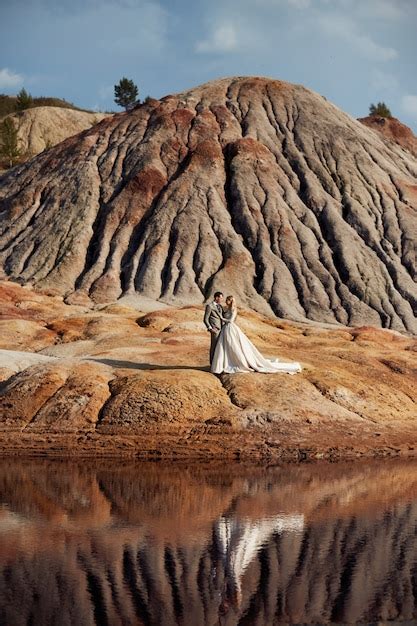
(243, 447)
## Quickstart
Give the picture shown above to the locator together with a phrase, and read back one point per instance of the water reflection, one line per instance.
(127, 544)
(238, 542)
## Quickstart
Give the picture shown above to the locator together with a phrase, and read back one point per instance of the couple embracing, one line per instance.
(230, 350)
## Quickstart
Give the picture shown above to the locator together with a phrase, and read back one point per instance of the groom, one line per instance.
(213, 320)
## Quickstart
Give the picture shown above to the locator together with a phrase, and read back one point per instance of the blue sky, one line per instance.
(354, 52)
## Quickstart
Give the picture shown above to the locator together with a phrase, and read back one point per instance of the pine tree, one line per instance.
(9, 142)
(24, 100)
(126, 93)
(379, 110)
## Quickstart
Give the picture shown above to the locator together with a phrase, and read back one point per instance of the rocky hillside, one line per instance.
(250, 185)
(44, 127)
(394, 130)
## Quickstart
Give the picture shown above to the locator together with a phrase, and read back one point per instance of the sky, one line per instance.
(353, 52)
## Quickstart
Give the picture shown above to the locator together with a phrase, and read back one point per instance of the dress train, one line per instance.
(234, 353)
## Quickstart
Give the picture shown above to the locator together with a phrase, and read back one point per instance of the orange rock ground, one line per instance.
(114, 380)
(393, 129)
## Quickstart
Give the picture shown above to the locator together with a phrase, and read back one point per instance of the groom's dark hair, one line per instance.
(217, 294)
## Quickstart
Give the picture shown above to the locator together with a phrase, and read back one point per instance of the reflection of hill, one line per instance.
(144, 544)
(58, 492)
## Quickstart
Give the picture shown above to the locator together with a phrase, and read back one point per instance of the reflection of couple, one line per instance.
(238, 541)
(230, 349)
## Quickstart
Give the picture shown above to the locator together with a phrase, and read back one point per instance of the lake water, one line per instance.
(126, 543)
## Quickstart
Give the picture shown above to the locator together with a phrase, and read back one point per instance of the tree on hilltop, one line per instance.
(379, 110)
(126, 93)
(24, 100)
(9, 142)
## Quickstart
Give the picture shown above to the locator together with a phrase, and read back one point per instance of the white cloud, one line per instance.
(105, 92)
(343, 28)
(383, 81)
(9, 79)
(299, 4)
(382, 10)
(372, 50)
(223, 38)
(126, 27)
(409, 105)
(35, 79)
(374, 9)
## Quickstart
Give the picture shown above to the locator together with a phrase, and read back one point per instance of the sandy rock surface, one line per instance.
(110, 380)
(394, 130)
(44, 127)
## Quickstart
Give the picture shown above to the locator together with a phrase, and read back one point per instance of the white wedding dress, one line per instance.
(234, 353)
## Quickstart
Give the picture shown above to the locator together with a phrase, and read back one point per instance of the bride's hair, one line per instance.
(231, 302)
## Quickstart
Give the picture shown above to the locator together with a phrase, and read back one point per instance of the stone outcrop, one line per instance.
(114, 380)
(46, 126)
(392, 129)
(254, 186)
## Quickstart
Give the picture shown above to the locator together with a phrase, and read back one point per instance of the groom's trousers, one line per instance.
(213, 341)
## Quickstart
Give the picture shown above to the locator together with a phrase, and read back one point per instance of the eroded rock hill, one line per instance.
(43, 127)
(250, 185)
(115, 380)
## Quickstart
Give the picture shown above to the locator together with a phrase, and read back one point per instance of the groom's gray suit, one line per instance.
(213, 321)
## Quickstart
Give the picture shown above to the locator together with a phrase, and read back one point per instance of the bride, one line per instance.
(235, 353)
